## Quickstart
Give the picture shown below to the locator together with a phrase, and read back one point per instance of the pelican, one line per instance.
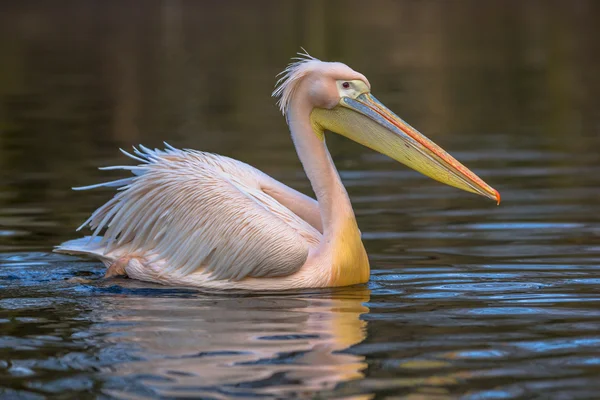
(198, 219)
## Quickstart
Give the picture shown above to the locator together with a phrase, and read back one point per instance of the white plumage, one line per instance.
(199, 219)
(201, 212)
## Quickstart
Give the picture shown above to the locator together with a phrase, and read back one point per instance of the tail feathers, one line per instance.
(87, 246)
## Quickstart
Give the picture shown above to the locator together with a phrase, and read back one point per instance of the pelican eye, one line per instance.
(345, 85)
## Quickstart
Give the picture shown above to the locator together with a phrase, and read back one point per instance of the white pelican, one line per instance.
(198, 219)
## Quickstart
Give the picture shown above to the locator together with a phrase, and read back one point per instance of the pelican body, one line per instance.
(198, 219)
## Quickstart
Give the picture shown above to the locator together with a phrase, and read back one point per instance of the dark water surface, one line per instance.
(467, 299)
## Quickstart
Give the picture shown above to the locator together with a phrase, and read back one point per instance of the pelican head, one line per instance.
(338, 99)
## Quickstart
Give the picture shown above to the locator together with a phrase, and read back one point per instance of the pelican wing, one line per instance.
(202, 212)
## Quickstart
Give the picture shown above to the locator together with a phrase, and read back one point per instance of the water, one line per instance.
(466, 300)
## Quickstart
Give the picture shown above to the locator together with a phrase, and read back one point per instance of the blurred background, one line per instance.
(80, 78)
(509, 87)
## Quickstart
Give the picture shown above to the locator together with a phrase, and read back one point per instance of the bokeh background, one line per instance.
(467, 299)
(80, 78)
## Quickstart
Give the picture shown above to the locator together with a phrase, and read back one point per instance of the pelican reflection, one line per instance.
(268, 345)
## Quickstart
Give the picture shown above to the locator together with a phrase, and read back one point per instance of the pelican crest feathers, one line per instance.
(291, 76)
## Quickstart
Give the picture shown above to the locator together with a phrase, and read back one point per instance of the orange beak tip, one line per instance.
(497, 196)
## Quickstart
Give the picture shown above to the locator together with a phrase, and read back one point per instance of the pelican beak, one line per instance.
(367, 121)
